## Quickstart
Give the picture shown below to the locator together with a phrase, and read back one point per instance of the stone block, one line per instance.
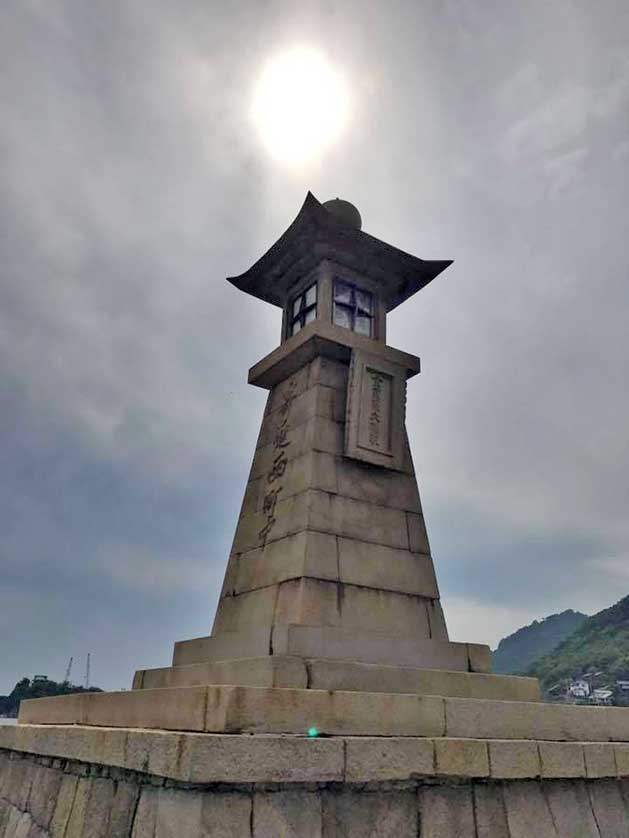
(446, 812)
(461, 758)
(437, 621)
(178, 813)
(600, 760)
(383, 487)
(76, 825)
(289, 814)
(225, 646)
(479, 657)
(570, 809)
(44, 793)
(311, 602)
(226, 815)
(122, 809)
(515, 760)
(145, 820)
(524, 720)
(256, 710)
(365, 677)
(609, 808)
(489, 811)
(561, 759)
(417, 535)
(99, 805)
(270, 671)
(356, 519)
(290, 515)
(182, 708)
(622, 759)
(60, 710)
(329, 373)
(368, 647)
(246, 612)
(307, 553)
(264, 759)
(377, 759)
(528, 814)
(376, 566)
(63, 805)
(369, 815)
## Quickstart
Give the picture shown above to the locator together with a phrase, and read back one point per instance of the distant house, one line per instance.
(37, 678)
(579, 688)
(602, 696)
(623, 686)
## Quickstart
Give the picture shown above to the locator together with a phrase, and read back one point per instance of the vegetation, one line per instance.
(519, 650)
(599, 645)
(39, 688)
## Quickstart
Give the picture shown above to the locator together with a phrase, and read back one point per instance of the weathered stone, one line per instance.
(561, 759)
(516, 760)
(252, 710)
(226, 815)
(290, 814)
(387, 568)
(145, 820)
(246, 612)
(44, 793)
(178, 814)
(609, 808)
(446, 812)
(99, 806)
(76, 822)
(63, 805)
(528, 814)
(122, 810)
(461, 758)
(369, 815)
(270, 671)
(225, 646)
(600, 760)
(417, 535)
(388, 758)
(180, 708)
(489, 811)
(622, 759)
(571, 810)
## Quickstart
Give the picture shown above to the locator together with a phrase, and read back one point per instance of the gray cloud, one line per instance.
(133, 182)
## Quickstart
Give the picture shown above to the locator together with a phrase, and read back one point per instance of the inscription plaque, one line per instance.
(374, 424)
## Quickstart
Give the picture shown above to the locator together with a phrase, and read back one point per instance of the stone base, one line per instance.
(95, 783)
(283, 671)
(335, 643)
(233, 709)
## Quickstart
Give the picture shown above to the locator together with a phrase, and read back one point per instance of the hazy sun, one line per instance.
(300, 105)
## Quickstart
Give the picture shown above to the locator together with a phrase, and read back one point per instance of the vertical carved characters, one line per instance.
(275, 473)
(375, 418)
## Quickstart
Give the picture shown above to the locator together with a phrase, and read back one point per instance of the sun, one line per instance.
(301, 105)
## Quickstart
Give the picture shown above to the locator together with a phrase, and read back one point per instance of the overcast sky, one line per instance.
(133, 181)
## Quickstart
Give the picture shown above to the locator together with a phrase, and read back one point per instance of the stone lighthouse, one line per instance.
(330, 583)
(328, 699)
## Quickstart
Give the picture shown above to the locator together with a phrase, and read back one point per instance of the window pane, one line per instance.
(363, 325)
(310, 315)
(296, 327)
(311, 295)
(296, 306)
(343, 316)
(342, 292)
(364, 301)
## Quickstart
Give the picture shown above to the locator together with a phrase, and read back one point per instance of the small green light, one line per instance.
(312, 731)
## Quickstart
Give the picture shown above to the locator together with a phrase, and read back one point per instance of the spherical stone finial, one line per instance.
(345, 212)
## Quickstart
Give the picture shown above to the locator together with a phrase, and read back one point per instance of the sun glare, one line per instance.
(300, 106)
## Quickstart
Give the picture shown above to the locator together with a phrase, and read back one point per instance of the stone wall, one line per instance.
(45, 796)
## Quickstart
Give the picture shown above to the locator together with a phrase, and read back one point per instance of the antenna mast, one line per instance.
(66, 680)
(87, 673)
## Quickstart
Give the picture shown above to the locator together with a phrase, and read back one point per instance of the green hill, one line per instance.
(37, 688)
(600, 643)
(519, 650)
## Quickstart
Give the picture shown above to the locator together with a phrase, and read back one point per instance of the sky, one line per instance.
(134, 179)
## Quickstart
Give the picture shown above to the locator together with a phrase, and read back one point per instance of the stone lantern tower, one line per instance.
(330, 583)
